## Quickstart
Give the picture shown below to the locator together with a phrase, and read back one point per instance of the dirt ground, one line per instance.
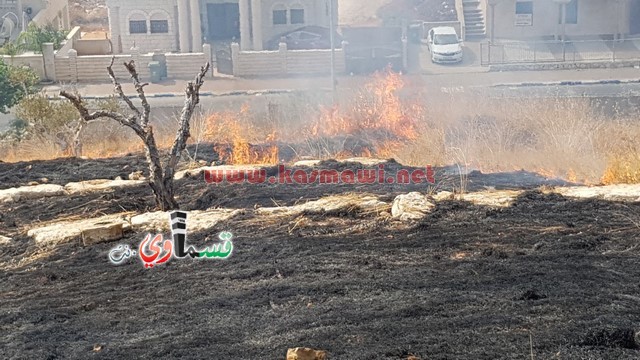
(548, 275)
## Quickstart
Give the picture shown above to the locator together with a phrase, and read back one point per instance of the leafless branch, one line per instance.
(144, 119)
(160, 179)
(192, 99)
(87, 116)
(119, 90)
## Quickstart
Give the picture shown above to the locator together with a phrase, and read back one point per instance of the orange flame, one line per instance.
(232, 133)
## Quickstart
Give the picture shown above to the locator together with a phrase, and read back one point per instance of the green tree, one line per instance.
(35, 36)
(15, 84)
(12, 49)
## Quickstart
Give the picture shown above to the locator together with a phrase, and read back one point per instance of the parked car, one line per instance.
(444, 45)
(308, 37)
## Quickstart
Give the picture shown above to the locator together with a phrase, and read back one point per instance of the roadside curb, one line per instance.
(570, 83)
(205, 94)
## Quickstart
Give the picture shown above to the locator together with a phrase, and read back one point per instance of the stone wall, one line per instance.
(33, 61)
(285, 62)
(74, 68)
(566, 66)
(185, 66)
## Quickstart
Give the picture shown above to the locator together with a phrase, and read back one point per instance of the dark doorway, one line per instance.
(224, 21)
(634, 19)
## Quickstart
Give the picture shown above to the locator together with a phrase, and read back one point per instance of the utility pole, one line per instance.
(333, 49)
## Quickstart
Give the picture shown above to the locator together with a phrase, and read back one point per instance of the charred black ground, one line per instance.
(468, 282)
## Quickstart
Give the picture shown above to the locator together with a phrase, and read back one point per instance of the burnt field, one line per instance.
(547, 276)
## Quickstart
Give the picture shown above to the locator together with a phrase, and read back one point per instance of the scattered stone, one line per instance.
(102, 233)
(444, 195)
(362, 204)
(306, 354)
(100, 185)
(412, 206)
(118, 178)
(30, 192)
(203, 162)
(138, 175)
(67, 231)
(621, 192)
(44, 180)
(4, 240)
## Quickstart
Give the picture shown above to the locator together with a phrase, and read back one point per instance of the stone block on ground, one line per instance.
(67, 231)
(306, 354)
(102, 233)
(4, 240)
(364, 204)
(30, 192)
(411, 206)
(100, 185)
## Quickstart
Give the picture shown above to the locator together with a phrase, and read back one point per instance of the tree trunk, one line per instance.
(162, 187)
(160, 178)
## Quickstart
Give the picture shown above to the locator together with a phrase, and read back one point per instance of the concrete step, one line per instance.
(475, 34)
(474, 26)
(474, 17)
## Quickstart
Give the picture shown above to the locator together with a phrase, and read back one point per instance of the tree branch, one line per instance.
(144, 118)
(87, 116)
(119, 90)
(192, 99)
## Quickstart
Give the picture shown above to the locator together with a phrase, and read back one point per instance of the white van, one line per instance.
(444, 45)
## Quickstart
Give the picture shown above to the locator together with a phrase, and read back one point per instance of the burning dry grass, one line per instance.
(559, 137)
(234, 135)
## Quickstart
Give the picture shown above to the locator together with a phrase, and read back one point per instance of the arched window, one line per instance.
(279, 14)
(297, 14)
(137, 22)
(159, 22)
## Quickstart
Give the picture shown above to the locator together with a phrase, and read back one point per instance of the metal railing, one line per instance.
(559, 51)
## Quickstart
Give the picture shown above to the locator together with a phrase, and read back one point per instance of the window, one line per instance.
(524, 13)
(159, 26)
(571, 16)
(138, 27)
(297, 16)
(279, 17)
(524, 8)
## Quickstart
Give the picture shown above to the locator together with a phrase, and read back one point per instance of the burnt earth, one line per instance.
(468, 282)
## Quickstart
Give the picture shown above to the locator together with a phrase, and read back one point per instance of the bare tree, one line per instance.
(160, 176)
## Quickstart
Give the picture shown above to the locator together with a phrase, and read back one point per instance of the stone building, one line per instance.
(16, 14)
(184, 25)
(543, 19)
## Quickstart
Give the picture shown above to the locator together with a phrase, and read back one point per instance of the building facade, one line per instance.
(543, 19)
(42, 12)
(184, 25)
